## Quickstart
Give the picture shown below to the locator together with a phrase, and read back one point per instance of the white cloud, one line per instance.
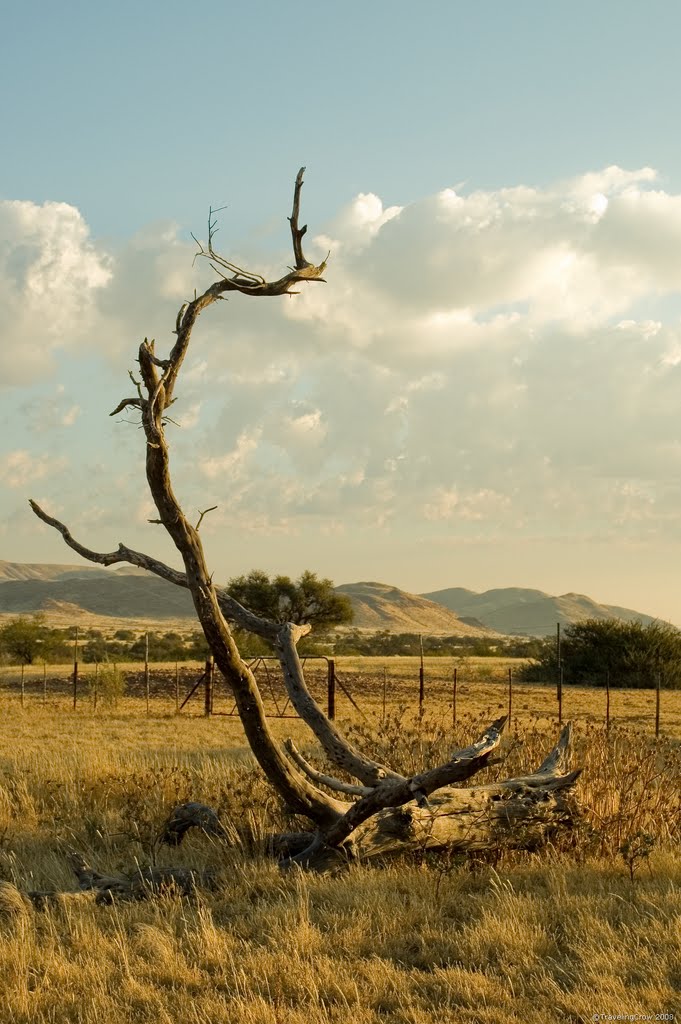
(232, 463)
(50, 272)
(20, 468)
(510, 358)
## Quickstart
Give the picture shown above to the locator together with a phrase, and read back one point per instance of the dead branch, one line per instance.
(202, 514)
(423, 809)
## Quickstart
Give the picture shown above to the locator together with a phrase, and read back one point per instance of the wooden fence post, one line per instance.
(422, 678)
(454, 681)
(607, 700)
(560, 694)
(385, 690)
(208, 691)
(510, 694)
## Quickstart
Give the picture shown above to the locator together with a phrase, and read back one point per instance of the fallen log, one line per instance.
(409, 815)
(518, 813)
(132, 886)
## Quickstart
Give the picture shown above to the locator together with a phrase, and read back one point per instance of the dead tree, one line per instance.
(382, 810)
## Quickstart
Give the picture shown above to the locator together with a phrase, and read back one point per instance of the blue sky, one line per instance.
(484, 394)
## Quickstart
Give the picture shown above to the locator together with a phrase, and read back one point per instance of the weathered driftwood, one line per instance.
(191, 815)
(137, 884)
(515, 813)
(392, 810)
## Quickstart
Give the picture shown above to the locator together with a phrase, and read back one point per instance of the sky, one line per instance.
(486, 391)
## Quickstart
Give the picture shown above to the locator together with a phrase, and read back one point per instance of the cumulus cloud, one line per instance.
(22, 469)
(504, 360)
(50, 272)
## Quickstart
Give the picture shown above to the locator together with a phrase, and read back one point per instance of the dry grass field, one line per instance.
(559, 935)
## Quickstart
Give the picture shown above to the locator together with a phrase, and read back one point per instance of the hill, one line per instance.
(519, 610)
(378, 606)
(47, 571)
(130, 593)
(108, 594)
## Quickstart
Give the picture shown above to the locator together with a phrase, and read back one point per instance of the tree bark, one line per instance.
(391, 810)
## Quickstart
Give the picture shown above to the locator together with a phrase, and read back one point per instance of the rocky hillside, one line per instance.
(127, 592)
(520, 610)
(378, 606)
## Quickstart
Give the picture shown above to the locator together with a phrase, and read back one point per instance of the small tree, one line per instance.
(367, 816)
(310, 599)
(22, 639)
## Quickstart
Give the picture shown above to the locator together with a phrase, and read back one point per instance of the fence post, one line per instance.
(560, 694)
(385, 689)
(146, 668)
(422, 686)
(331, 689)
(510, 694)
(607, 700)
(658, 684)
(208, 691)
(75, 670)
(454, 681)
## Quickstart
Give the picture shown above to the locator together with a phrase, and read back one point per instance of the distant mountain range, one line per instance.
(127, 592)
(377, 606)
(131, 593)
(519, 610)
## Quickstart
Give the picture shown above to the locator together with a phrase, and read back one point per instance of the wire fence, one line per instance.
(347, 688)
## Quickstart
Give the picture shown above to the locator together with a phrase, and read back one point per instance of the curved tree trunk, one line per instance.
(391, 811)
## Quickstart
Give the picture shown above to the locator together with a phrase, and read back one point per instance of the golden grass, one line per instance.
(482, 691)
(556, 936)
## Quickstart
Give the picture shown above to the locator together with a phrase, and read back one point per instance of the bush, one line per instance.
(630, 653)
(110, 685)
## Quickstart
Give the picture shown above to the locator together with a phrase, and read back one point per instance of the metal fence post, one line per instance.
(331, 689)
(75, 670)
(146, 668)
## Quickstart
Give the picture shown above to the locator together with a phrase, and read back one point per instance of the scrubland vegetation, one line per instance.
(591, 924)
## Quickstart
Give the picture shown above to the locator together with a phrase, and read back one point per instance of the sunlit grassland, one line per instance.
(482, 691)
(551, 936)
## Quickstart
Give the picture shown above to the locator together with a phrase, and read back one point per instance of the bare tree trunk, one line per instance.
(390, 811)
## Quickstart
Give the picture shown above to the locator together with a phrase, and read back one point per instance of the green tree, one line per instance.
(630, 653)
(22, 639)
(309, 599)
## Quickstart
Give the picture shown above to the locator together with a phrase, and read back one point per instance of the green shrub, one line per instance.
(109, 685)
(628, 653)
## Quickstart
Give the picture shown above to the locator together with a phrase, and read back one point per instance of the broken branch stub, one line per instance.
(382, 794)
